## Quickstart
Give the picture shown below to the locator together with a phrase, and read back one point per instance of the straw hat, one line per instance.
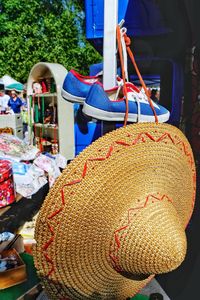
(117, 214)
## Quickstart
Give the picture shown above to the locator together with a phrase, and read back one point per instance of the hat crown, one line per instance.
(151, 240)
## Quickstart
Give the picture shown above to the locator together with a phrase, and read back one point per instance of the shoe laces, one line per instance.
(123, 48)
(137, 97)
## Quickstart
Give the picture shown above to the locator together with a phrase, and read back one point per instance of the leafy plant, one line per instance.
(43, 30)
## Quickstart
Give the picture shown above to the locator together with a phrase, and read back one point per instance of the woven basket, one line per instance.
(7, 130)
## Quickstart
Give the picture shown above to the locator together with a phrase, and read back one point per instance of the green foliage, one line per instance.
(43, 30)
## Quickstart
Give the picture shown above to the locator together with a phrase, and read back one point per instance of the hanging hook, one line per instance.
(121, 23)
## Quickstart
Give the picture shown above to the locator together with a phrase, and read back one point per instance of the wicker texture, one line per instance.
(117, 214)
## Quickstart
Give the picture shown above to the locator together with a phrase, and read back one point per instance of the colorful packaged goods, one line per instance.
(7, 191)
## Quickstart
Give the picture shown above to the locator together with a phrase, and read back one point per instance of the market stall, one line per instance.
(51, 119)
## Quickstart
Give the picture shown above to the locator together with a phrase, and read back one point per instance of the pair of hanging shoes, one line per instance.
(110, 105)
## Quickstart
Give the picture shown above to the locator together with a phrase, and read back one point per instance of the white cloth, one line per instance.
(4, 102)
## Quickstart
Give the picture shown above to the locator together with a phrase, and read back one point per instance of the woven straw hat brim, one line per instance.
(77, 231)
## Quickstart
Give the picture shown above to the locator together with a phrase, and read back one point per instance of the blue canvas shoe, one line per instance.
(111, 106)
(76, 86)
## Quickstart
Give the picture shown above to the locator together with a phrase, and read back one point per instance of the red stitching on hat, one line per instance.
(50, 228)
(84, 170)
(74, 182)
(186, 153)
(113, 253)
(142, 137)
(47, 244)
(48, 258)
(63, 196)
(55, 213)
(97, 158)
(109, 151)
(122, 143)
(51, 270)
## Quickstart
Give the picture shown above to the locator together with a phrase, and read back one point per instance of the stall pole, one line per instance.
(109, 52)
(30, 119)
(109, 43)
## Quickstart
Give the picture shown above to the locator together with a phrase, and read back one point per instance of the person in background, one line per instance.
(15, 103)
(155, 95)
(24, 112)
(3, 101)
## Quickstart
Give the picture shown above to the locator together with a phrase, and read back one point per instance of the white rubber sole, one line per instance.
(72, 98)
(112, 116)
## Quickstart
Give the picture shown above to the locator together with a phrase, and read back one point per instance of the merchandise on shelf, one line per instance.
(7, 191)
(51, 118)
(44, 114)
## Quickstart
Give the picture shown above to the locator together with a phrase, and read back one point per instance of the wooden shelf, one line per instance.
(45, 95)
(45, 126)
(64, 130)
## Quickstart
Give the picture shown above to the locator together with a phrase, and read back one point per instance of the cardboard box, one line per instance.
(15, 275)
(17, 243)
(35, 293)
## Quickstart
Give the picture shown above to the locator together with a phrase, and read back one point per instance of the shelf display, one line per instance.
(45, 119)
(51, 125)
(7, 192)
